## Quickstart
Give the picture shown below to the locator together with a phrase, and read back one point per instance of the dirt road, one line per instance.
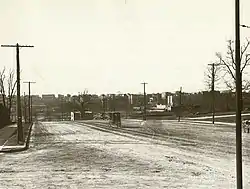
(66, 155)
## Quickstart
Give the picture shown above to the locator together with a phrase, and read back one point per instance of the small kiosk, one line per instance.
(75, 115)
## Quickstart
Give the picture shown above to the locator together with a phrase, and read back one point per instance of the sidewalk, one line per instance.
(6, 132)
(9, 135)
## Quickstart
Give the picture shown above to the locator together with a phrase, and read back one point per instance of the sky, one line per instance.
(106, 46)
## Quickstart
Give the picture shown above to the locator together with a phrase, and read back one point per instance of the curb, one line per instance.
(27, 141)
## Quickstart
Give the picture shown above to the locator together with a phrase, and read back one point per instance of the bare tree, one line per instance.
(11, 85)
(2, 86)
(84, 100)
(11, 89)
(229, 65)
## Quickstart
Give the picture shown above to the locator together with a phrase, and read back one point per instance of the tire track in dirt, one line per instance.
(219, 147)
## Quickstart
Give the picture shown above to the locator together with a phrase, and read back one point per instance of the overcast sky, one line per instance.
(107, 46)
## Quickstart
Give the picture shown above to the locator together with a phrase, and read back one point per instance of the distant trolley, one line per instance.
(115, 119)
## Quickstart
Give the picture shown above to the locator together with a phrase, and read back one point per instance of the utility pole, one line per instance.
(145, 101)
(20, 137)
(25, 108)
(129, 104)
(212, 89)
(29, 102)
(166, 99)
(113, 102)
(62, 108)
(103, 103)
(179, 118)
(238, 97)
(213, 106)
(47, 113)
(31, 119)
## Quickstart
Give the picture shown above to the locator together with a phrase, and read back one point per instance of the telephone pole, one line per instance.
(213, 106)
(145, 101)
(30, 101)
(25, 108)
(238, 97)
(20, 137)
(62, 109)
(103, 103)
(212, 89)
(31, 119)
(113, 102)
(179, 118)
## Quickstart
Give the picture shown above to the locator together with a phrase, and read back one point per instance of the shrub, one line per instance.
(4, 117)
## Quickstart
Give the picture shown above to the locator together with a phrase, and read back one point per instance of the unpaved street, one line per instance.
(76, 155)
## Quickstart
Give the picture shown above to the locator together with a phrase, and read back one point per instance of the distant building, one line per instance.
(111, 95)
(94, 96)
(60, 97)
(36, 99)
(68, 98)
(159, 98)
(161, 107)
(170, 101)
(74, 98)
(48, 97)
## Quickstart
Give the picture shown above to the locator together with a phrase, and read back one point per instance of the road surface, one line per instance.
(217, 116)
(78, 155)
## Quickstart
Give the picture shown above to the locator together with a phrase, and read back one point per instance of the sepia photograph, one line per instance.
(125, 94)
